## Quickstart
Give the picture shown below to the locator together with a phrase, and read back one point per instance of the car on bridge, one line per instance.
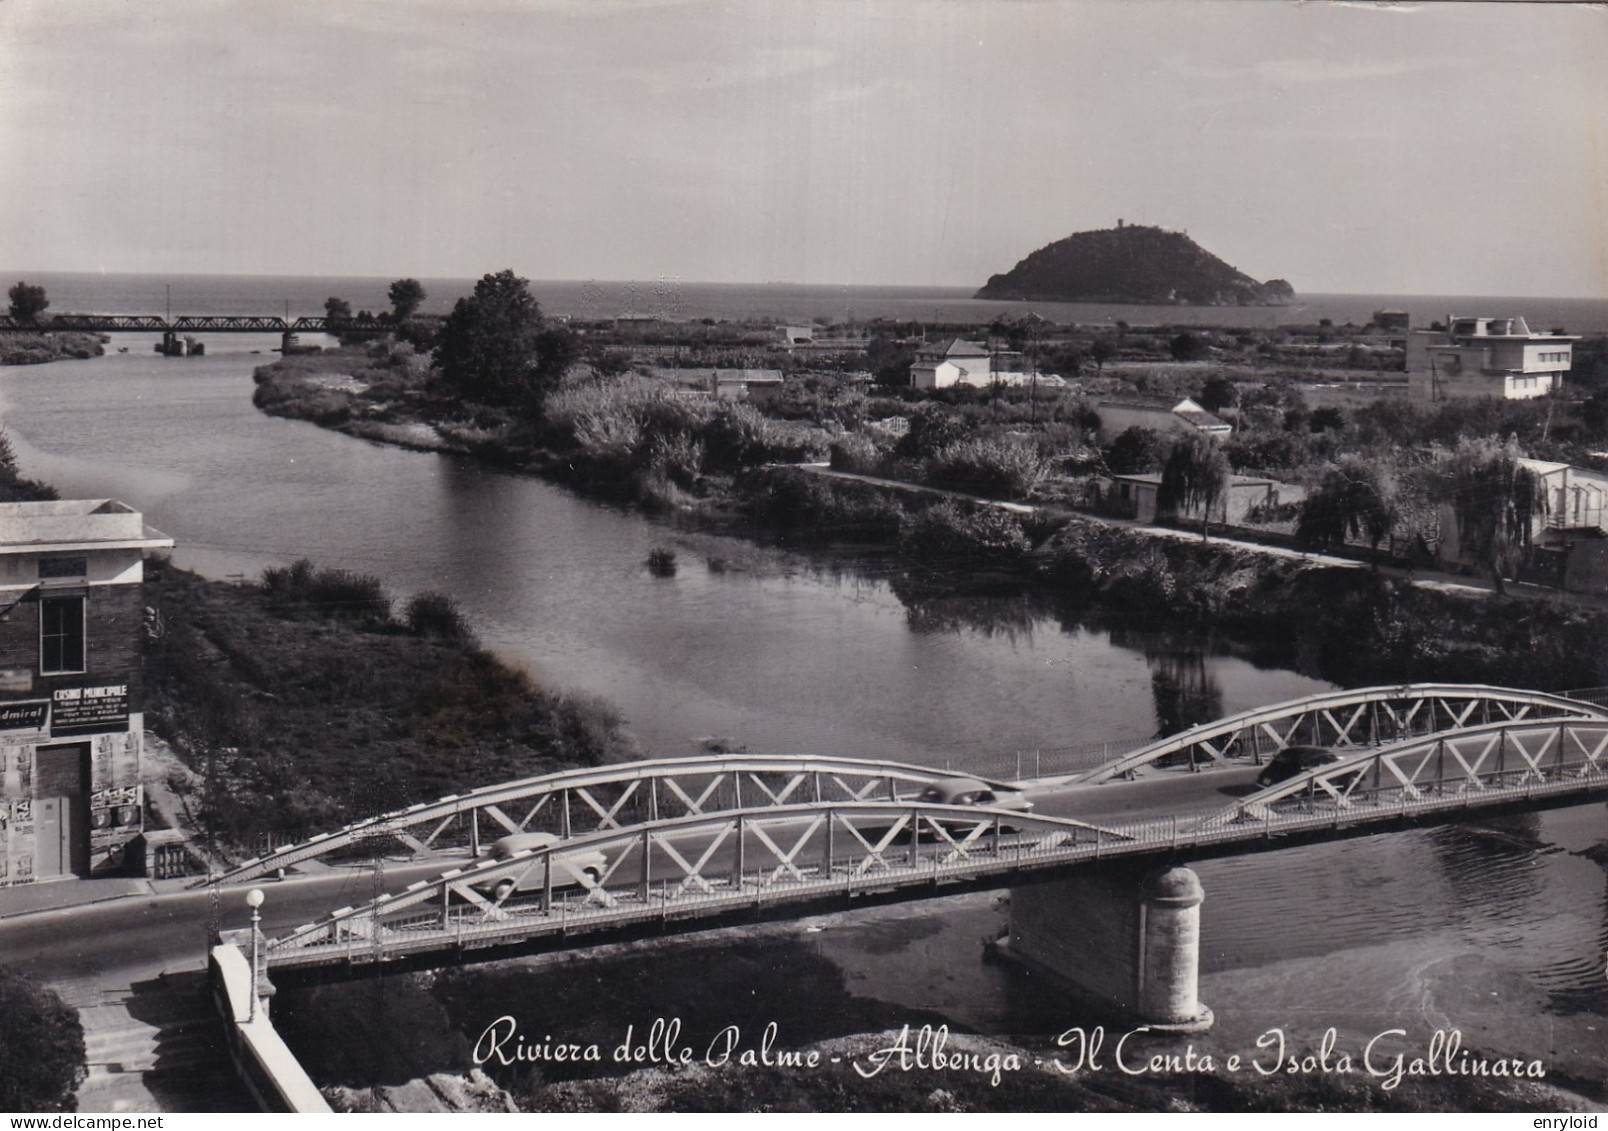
(970, 791)
(568, 867)
(1293, 760)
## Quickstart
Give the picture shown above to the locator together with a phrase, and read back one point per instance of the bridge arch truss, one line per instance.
(677, 873)
(1369, 716)
(574, 802)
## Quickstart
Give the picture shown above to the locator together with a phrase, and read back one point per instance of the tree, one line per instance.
(1136, 450)
(889, 360)
(1497, 501)
(493, 348)
(406, 295)
(1101, 350)
(42, 1053)
(28, 302)
(337, 309)
(1354, 499)
(1194, 478)
(1218, 393)
(1186, 347)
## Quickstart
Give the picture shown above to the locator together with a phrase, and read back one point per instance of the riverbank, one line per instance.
(301, 703)
(38, 349)
(1349, 626)
(700, 1013)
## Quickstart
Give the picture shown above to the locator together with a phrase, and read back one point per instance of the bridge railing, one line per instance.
(693, 867)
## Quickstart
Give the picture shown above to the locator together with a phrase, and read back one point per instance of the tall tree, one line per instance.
(406, 296)
(28, 302)
(42, 1055)
(1354, 499)
(1497, 501)
(1194, 478)
(337, 309)
(493, 348)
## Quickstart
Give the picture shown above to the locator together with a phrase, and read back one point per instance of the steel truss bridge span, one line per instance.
(609, 797)
(680, 874)
(1365, 716)
(187, 323)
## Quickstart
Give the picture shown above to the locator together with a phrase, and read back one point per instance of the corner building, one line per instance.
(71, 709)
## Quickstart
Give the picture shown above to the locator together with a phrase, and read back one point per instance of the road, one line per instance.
(100, 947)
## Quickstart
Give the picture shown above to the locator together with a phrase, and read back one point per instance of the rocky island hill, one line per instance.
(1132, 264)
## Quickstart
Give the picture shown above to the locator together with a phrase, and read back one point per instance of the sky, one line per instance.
(1443, 148)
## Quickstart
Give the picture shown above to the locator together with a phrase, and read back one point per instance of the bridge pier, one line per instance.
(1121, 935)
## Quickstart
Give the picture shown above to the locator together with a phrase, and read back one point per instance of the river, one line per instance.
(1495, 926)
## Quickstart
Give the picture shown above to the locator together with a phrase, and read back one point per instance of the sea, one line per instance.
(675, 299)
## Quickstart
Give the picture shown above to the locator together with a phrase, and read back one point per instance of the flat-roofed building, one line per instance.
(71, 711)
(1486, 357)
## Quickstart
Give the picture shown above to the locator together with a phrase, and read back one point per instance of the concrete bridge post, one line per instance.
(1123, 935)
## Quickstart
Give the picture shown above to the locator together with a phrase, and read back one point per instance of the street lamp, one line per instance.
(254, 899)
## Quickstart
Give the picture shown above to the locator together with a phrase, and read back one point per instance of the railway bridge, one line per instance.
(174, 327)
(1101, 896)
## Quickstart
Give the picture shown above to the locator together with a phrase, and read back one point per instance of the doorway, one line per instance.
(61, 811)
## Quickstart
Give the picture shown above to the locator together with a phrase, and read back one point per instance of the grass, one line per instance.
(302, 707)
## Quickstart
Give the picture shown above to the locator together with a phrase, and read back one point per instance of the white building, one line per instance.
(958, 362)
(1486, 357)
(1116, 417)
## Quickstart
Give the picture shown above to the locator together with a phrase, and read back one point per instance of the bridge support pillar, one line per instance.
(288, 342)
(1121, 935)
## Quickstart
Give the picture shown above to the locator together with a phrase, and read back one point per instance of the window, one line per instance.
(61, 635)
(56, 569)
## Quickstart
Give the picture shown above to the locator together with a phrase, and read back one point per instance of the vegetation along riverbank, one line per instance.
(703, 419)
(303, 701)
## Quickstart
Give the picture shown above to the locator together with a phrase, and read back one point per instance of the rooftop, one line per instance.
(76, 524)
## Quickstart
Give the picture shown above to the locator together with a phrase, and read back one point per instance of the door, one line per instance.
(61, 806)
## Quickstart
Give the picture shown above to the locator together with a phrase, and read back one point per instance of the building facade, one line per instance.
(71, 709)
(1486, 357)
(958, 362)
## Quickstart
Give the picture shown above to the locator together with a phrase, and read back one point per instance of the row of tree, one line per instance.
(1495, 498)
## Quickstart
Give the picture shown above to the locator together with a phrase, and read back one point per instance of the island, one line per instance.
(1132, 263)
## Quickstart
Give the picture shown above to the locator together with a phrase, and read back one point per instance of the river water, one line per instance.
(1497, 927)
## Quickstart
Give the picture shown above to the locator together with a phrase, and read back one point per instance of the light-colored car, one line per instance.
(970, 791)
(568, 867)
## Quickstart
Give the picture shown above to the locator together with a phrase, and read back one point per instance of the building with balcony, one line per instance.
(1486, 357)
(71, 710)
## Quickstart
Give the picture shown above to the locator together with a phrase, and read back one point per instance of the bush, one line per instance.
(949, 531)
(994, 468)
(856, 452)
(435, 614)
(298, 588)
(932, 426)
(42, 1055)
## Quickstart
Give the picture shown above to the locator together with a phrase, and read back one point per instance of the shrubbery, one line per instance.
(42, 1054)
(992, 468)
(300, 589)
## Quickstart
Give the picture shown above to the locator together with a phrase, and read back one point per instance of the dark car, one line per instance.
(1293, 760)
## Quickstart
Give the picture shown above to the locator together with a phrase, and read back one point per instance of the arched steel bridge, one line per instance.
(680, 873)
(187, 324)
(1359, 717)
(607, 797)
